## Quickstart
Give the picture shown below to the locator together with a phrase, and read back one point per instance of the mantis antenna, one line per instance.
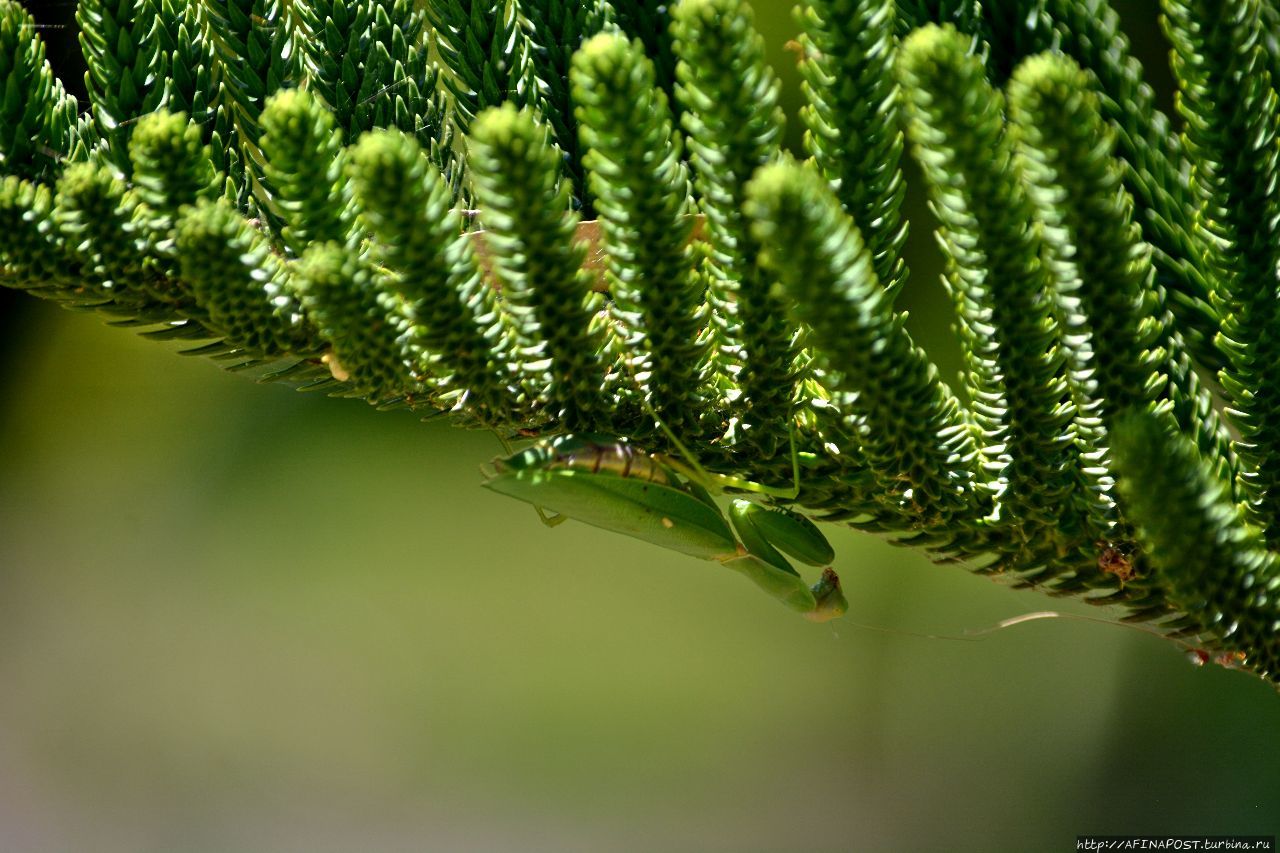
(1197, 655)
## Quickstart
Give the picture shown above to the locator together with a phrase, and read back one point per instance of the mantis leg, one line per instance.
(549, 520)
(820, 603)
(762, 533)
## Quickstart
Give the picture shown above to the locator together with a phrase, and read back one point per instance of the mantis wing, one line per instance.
(654, 512)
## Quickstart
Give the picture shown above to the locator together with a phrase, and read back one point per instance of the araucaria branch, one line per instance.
(547, 218)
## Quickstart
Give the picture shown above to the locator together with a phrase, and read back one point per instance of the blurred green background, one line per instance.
(235, 618)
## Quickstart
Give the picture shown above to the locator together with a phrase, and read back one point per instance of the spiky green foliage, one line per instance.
(1228, 101)
(967, 16)
(1104, 276)
(29, 248)
(1002, 289)
(1156, 171)
(241, 287)
(650, 21)
(1105, 273)
(639, 180)
(125, 62)
(171, 171)
(170, 165)
(486, 53)
(302, 146)
(190, 59)
(363, 321)
(526, 212)
(253, 55)
(735, 127)
(557, 28)
(368, 61)
(452, 311)
(853, 121)
(1216, 568)
(911, 427)
(1093, 254)
(95, 219)
(37, 116)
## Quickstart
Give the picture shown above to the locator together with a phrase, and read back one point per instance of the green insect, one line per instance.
(611, 484)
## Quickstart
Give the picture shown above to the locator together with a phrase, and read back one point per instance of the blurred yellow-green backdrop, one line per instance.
(235, 618)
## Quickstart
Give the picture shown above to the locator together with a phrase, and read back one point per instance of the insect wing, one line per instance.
(653, 512)
(790, 532)
(742, 514)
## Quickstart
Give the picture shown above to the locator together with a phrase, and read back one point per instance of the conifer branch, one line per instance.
(1001, 287)
(640, 184)
(910, 426)
(1227, 97)
(853, 121)
(453, 315)
(301, 149)
(279, 185)
(1217, 569)
(124, 58)
(730, 97)
(37, 116)
(531, 229)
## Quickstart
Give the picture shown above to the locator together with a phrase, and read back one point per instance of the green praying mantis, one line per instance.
(609, 483)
